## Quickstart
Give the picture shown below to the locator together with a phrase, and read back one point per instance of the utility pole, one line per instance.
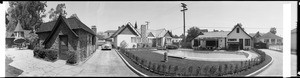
(184, 8)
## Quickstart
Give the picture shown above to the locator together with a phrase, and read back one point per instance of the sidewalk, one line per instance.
(101, 63)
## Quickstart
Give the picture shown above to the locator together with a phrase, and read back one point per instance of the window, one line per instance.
(273, 41)
(231, 39)
(279, 40)
(247, 42)
(266, 40)
(237, 30)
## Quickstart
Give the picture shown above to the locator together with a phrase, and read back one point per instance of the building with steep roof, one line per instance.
(270, 39)
(236, 39)
(141, 37)
(68, 34)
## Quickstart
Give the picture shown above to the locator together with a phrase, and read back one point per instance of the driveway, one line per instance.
(275, 69)
(101, 63)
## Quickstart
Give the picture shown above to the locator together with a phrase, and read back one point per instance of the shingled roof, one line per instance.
(270, 36)
(213, 34)
(73, 22)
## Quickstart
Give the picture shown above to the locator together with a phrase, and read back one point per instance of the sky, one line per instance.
(220, 15)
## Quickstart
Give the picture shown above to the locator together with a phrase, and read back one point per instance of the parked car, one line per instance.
(106, 46)
(172, 47)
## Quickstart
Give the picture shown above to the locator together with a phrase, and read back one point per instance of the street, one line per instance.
(275, 69)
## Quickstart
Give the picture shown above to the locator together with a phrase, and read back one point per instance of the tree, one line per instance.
(29, 13)
(176, 36)
(193, 32)
(60, 9)
(273, 30)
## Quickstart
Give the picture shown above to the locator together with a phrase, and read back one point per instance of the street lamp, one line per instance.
(184, 8)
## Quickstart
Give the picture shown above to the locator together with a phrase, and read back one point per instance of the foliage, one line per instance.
(29, 13)
(51, 55)
(72, 57)
(193, 32)
(60, 9)
(123, 44)
(273, 30)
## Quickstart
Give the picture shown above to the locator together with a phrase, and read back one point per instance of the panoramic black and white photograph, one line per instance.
(148, 38)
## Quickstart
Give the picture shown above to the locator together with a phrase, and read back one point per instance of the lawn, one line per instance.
(183, 64)
(11, 71)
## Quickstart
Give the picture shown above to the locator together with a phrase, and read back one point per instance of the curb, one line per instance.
(131, 67)
(259, 70)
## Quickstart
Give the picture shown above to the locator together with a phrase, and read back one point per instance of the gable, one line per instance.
(127, 31)
(238, 32)
(61, 27)
(150, 35)
(167, 34)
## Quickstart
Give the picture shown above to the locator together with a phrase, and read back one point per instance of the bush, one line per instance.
(41, 53)
(176, 68)
(172, 47)
(51, 54)
(190, 70)
(186, 45)
(36, 52)
(72, 58)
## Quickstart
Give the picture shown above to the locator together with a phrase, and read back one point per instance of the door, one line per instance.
(241, 44)
(63, 47)
(154, 42)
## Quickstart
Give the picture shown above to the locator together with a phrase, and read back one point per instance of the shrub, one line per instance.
(149, 66)
(164, 67)
(72, 57)
(36, 52)
(190, 70)
(206, 70)
(186, 45)
(154, 67)
(198, 70)
(172, 47)
(176, 68)
(51, 54)
(212, 70)
(237, 68)
(169, 69)
(42, 53)
(221, 70)
(158, 69)
(183, 71)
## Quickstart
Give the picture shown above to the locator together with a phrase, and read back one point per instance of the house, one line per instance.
(107, 35)
(294, 39)
(236, 39)
(270, 39)
(19, 32)
(135, 37)
(176, 39)
(68, 34)
(125, 35)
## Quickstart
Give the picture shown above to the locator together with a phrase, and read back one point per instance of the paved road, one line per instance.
(275, 69)
(106, 63)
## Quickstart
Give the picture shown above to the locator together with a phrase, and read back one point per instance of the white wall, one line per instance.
(126, 38)
(240, 35)
(221, 42)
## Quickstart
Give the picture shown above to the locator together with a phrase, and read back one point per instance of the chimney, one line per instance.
(94, 28)
(143, 33)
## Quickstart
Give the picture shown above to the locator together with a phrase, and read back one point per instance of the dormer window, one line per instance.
(237, 30)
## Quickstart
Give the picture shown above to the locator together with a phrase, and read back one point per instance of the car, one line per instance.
(106, 46)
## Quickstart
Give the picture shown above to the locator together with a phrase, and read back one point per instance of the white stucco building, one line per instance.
(237, 38)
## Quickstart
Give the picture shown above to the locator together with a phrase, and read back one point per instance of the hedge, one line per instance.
(46, 54)
(207, 70)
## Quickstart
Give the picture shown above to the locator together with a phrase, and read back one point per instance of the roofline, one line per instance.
(59, 20)
(241, 29)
